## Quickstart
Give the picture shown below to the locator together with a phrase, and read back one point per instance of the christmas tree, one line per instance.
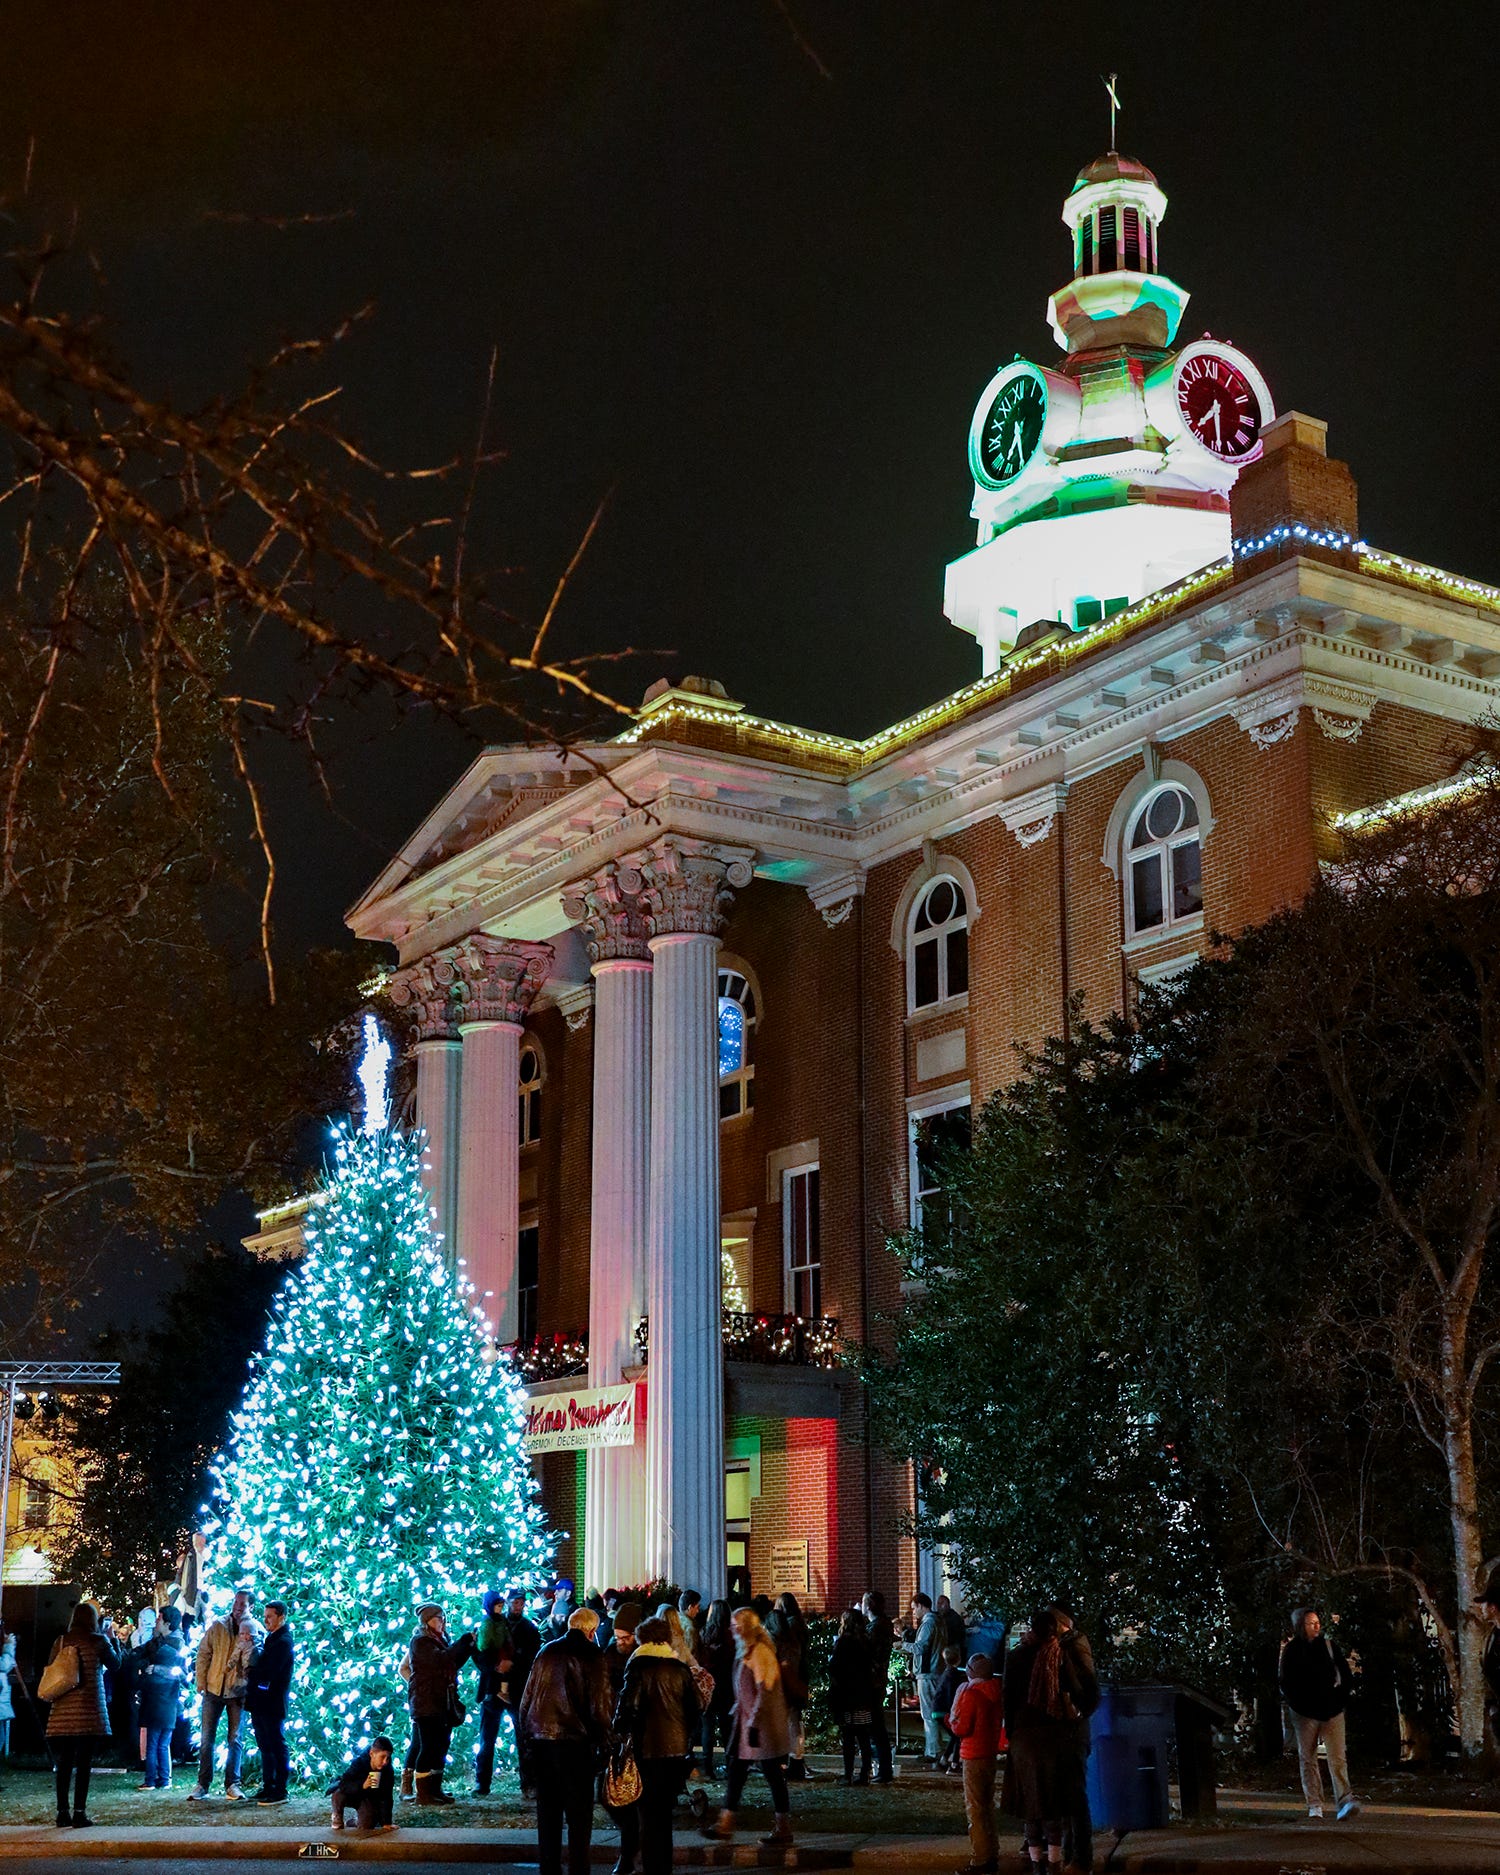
(376, 1462)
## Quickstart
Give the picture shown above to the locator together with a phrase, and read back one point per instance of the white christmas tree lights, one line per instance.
(376, 1461)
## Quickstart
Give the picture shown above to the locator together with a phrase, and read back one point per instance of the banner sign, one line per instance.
(578, 1422)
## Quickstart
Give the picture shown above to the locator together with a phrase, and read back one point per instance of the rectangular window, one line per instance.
(958, 961)
(1086, 612)
(36, 1512)
(924, 966)
(932, 1136)
(531, 1115)
(1147, 905)
(528, 1261)
(1086, 245)
(1187, 879)
(802, 1234)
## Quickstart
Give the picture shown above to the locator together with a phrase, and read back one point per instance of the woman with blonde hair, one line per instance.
(758, 1733)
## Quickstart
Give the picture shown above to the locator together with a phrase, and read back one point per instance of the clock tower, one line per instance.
(1106, 475)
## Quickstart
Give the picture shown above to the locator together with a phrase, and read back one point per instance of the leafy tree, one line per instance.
(377, 1460)
(144, 1450)
(1209, 1317)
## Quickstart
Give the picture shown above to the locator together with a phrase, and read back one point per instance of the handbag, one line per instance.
(62, 1674)
(622, 1779)
(457, 1710)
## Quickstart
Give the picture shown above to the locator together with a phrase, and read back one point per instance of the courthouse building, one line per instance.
(691, 1007)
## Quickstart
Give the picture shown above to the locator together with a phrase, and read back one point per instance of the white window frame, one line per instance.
(928, 1109)
(743, 1076)
(789, 1175)
(525, 1089)
(1161, 850)
(939, 936)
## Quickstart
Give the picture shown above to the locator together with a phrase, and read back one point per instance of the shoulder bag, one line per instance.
(62, 1674)
(622, 1778)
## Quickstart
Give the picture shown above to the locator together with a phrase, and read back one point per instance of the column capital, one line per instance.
(427, 998)
(493, 979)
(608, 906)
(690, 885)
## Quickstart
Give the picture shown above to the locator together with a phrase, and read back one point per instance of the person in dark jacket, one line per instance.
(627, 1817)
(882, 1633)
(789, 1636)
(433, 1696)
(563, 1726)
(1045, 1691)
(716, 1655)
(368, 1788)
(492, 1651)
(161, 1670)
(79, 1721)
(1316, 1683)
(659, 1713)
(849, 1683)
(270, 1687)
(525, 1644)
(1487, 1606)
(1078, 1829)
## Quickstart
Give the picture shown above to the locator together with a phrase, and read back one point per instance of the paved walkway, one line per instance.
(1389, 1840)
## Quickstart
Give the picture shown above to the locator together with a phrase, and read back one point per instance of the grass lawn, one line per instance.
(914, 1808)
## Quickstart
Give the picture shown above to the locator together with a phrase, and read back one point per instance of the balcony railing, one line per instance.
(773, 1340)
(550, 1357)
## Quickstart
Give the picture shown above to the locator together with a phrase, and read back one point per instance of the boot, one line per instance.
(780, 1836)
(430, 1788)
(723, 1830)
(408, 1787)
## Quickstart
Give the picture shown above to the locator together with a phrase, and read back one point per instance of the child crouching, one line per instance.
(368, 1787)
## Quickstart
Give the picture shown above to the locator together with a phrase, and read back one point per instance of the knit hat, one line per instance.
(629, 1616)
(426, 1612)
(493, 1599)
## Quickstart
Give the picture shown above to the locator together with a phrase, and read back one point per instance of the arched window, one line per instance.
(1163, 862)
(938, 949)
(736, 1024)
(531, 1094)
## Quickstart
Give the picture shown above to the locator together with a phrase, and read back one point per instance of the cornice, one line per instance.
(1299, 621)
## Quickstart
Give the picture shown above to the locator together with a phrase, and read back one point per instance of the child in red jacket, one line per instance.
(977, 1722)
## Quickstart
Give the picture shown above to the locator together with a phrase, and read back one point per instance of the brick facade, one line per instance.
(1281, 691)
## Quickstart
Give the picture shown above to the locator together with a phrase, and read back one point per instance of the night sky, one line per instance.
(758, 301)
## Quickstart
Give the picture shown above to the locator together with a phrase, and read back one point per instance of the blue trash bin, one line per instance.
(1127, 1768)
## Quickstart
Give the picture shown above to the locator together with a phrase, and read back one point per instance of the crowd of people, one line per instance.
(615, 1704)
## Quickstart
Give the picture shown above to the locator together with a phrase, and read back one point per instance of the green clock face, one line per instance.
(1007, 433)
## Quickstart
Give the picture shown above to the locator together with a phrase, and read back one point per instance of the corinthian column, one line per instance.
(609, 909)
(686, 895)
(494, 984)
(418, 989)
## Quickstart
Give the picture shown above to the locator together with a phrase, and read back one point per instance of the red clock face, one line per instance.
(1219, 405)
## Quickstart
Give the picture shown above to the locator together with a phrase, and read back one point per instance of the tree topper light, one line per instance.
(373, 1075)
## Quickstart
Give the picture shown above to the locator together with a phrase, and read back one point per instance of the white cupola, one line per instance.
(1118, 294)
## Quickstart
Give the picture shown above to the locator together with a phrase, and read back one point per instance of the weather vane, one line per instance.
(1114, 104)
(373, 1075)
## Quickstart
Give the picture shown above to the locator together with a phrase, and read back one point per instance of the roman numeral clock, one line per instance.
(1107, 477)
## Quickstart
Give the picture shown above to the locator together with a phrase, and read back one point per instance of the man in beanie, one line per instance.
(492, 1652)
(1488, 1604)
(627, 1820)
